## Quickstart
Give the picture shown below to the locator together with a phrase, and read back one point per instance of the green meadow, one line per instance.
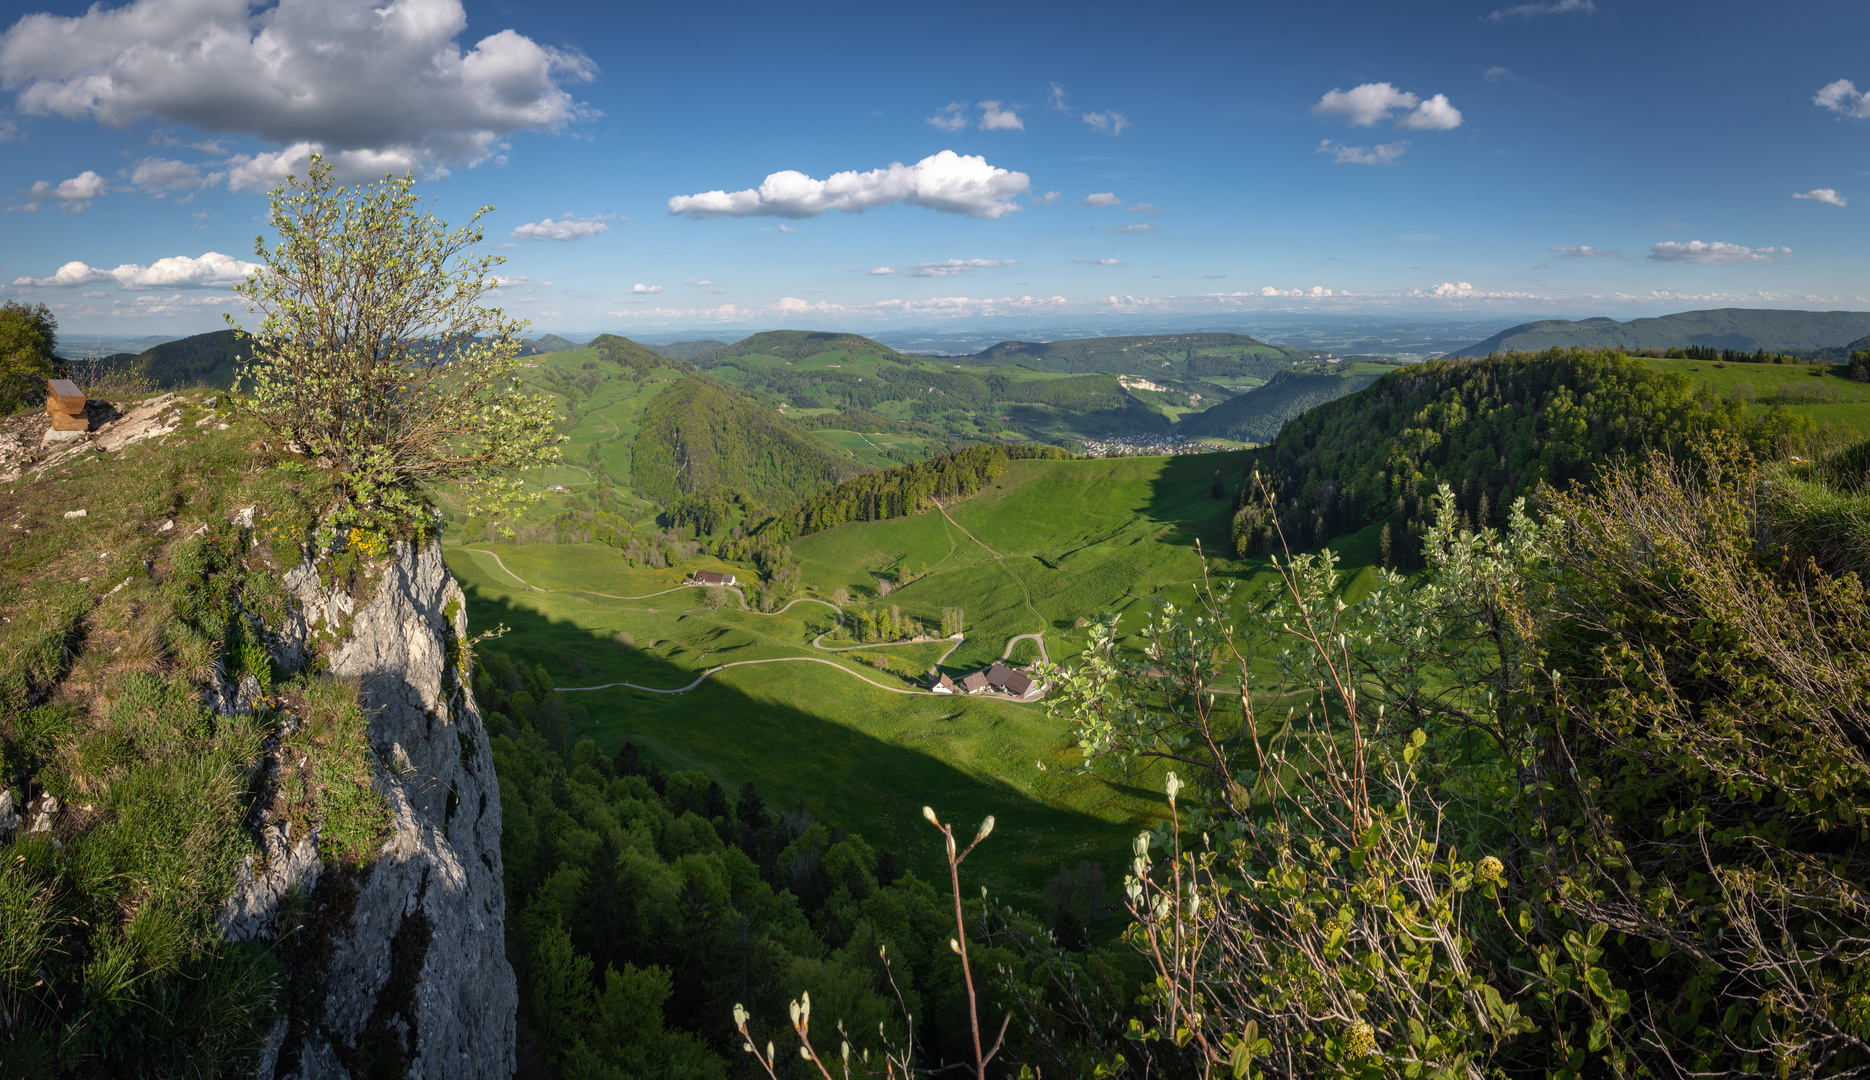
(1813, 390)
(1047, 544)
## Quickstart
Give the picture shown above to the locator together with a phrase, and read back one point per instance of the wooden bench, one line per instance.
(66, 404)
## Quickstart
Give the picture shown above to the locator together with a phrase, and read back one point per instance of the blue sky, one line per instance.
(1571, 157)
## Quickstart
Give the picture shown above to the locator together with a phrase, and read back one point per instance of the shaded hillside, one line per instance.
(1840, 354)
(1744, 329)
(1177, 355)
(686, 350)
(697, 434)
(1493, 430)
(201, 360)
(1258, 414)
(552, 343)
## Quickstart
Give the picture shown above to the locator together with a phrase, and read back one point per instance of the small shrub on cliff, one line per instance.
(375, 352)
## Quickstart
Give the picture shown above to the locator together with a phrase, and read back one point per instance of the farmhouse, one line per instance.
(1008, 681)
(942, 685)
(975, 683)
(709, 577)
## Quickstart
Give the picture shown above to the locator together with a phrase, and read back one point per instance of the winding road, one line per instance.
(1032, 697)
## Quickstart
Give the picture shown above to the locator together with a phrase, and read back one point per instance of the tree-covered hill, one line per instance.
(686, 350)
(1258, 414)
(638, 358)
(698, 434)
(1743, 329)
(200, 360)
(1174, 355)
(797, 345)
(1493, 430)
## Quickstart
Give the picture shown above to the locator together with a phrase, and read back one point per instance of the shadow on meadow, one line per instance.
(739, 727)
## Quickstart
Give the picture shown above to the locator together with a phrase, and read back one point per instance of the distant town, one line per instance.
(1147, 446)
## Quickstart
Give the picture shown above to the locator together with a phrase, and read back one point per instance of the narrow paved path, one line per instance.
(1038, 639)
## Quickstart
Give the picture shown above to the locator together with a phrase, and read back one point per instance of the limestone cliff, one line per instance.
(419, 969)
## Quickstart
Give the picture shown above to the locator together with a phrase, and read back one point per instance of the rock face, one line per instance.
(422, 960)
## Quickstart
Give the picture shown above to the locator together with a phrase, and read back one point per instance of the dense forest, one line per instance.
(902, 491)
(694, 435)
(1493, 430)
(643, 905)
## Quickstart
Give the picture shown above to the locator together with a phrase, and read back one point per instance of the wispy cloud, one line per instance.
(1496, 73)
(1715, 253)
(1112, 122)
(1212, 277)
(1046, 199)
(1144, 208)
(1100, 262)
(947, 182)
(1100, 199)
(1381, 154)
(951, 267)
(1528, 11)
(1130, 228)
(950, 117)
(1586, 251)
(1824, 195)
(882, 271)
(565, 228)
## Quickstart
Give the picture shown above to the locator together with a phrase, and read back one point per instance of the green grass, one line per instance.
(1051, 541)
(1808, 387)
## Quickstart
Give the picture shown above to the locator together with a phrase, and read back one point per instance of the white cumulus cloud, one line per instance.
(212, 270)
(1380, 154)
(1825, 195)
(1527, 11)
(1370, 103)
(882, 271)
(74, 195)
(342, 76)
(1316, 292)
(1714, 253)
(1586, 251)
(639, 287)
(951, 267)
(1843, 97)
(947, 182)
(565, 228)
(1102, 198)
(995, 118)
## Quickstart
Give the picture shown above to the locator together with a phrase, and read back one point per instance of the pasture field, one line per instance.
(1045, 544)
(1812, 390)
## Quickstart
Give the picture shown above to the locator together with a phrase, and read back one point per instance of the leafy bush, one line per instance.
(374, 352)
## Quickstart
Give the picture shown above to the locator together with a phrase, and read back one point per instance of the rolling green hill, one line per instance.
(1172, 355)
(552, 343)
(1745, 329)
(1258, 414)
(686, 350)
(695, 435)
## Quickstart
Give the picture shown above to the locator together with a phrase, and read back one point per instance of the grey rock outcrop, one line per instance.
(422, 960)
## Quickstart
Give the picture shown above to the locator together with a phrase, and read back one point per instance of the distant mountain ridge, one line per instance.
(1191, 355)
(1258, 414)
(686, 350)
(1743, 329)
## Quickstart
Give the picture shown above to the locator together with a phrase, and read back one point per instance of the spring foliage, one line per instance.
(374, 350)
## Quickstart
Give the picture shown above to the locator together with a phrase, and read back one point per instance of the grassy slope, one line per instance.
(1075, 538)
(1811, 390)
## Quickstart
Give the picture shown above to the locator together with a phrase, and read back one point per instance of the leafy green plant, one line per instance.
(375, 353)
